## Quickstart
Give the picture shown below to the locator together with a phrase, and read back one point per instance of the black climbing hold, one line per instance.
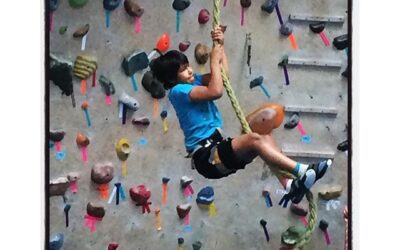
(165, 180)
(164, 114)
(111, 4)
(269, 6)
(317, 27)
(341, 42)
(56, 136)
(293, 121)
(343, 146)
(245, 3)
(181, 240)
(180, 4)
(323, 225)
(256, 82)
(153, 85)
(61, 75)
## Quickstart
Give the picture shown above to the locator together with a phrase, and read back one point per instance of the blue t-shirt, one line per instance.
(198, 120)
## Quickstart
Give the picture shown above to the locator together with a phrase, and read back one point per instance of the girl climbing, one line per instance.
(213, 155)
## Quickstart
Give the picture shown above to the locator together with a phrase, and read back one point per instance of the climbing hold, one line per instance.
(56, 135)
(205, 196)
(286, 28)
(323, 225)
(204, 16)
(267, 117)
(141, 194)
(269, 6)
(84, 66)
(263, 223)
(293, 121)
(112, 246)
(134, 62)
(61, 75)
(180, 4)
(107, 85)
(123, 149)
(163, 114)
(77, 3)
(129, 101)
(341, 42)
(292, 235)
(143, 120)
(197, 245)
(58, 186)
(165, 180)
(53, 4)
(133, 9)
(185, 181)
(73, 176)
(343, 146)
(153, 85)
(111, 4)
(82, 140)
(56, 242)
(183, 46)
(163, 43)
(81, 32)
(62, 30)
(102, 173)
(245, 3)
(183, 210)
(95, 211)
(298, 210)
(331, 192)
(201, 53)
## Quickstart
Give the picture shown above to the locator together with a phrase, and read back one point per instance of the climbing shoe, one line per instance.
(299, 188)
(320, 168)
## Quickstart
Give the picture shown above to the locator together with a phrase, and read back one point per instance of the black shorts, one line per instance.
(215, 158)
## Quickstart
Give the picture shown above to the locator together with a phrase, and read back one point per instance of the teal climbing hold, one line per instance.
(77, 3)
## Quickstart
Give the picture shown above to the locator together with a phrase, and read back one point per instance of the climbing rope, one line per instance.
(246, 129)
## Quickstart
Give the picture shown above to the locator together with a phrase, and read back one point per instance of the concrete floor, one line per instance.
(238, 197)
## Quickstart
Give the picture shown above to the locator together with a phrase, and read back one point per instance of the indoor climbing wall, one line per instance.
(117, 167)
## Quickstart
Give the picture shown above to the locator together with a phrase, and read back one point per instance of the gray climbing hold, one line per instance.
(286, 28)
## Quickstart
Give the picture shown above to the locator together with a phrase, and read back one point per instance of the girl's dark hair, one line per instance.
(165, 68)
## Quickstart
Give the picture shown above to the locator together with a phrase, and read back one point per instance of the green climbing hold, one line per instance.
(62, 30)
(292, 235)
(77, 3)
